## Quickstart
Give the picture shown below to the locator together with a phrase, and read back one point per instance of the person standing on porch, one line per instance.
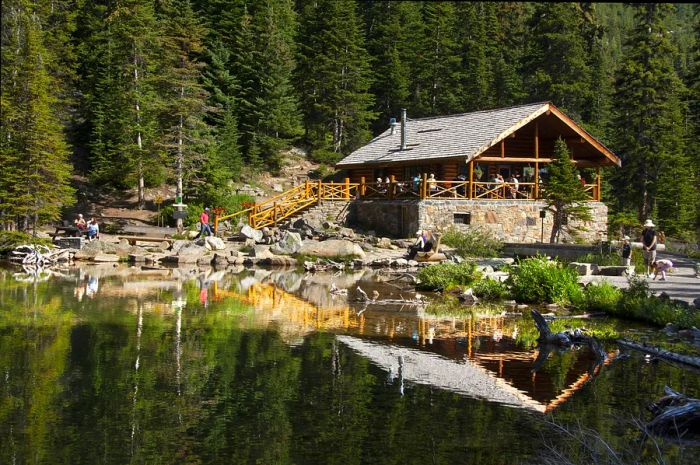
(649, 245)
(432, 183)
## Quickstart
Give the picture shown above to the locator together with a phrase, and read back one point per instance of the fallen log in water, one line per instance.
(676, 415)
(661, 353)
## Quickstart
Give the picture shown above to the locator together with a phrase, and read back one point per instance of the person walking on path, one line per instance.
(626, 251)
(204, 224)
(649, 245)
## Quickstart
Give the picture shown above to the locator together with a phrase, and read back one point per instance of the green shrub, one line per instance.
(472, 243)
(447, 275)
(491, 289)
(637, 302)
(539, 281)
(601, 297)
(11, 239)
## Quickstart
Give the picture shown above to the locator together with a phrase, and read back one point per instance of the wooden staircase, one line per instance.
(281, 207)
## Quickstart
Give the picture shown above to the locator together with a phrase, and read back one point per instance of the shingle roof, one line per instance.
(463, 135)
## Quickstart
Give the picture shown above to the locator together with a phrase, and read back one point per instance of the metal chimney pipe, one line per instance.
(403, 129)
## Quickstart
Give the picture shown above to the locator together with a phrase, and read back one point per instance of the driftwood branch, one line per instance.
(661, 353)
(676, 415)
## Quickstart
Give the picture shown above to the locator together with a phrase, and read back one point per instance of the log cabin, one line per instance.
(481, 169)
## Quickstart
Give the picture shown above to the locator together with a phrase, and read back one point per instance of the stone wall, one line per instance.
(328, 210)
(509, 220)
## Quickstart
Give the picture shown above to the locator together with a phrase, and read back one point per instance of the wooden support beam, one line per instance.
(597, 175)
(363, 187)
(347, 189)
(503, 148)
(471, 178)
(537, 159)
(424, 186)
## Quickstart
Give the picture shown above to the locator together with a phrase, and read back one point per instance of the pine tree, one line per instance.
(438, 65)
(656, 178)
(120, 60)
(392, 40)
(512, 36)
(563, 193)
(186, 136)
(33, 150)
(334, 76)
(557, 67)
(476, 77)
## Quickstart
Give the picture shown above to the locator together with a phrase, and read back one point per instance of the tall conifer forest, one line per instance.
(197, 93)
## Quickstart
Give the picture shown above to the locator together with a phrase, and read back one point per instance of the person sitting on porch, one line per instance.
(424, 243)
(380, 186)
(432, 183)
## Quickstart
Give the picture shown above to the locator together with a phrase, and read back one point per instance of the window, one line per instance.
(462, 218)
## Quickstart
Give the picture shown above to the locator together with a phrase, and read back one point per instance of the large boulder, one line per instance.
(261, 251)
(290, 244)
(214, 243)
(191, 253)
(384, 243)
(332, 248)
(280, 261)
(105, 258)
(250, 233)
(93, 248)
(615, 270)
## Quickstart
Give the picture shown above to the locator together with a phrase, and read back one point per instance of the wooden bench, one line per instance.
(134, 239)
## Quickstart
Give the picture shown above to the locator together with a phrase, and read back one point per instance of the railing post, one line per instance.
(471, 179)
(424, 186)
(391, 187)
(319, 194)
(306, 189)
(597, 191)
(362, 187)
(251, 212)
(347, 188)
(274, 213)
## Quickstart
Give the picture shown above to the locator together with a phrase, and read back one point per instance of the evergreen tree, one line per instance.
(475, 90)
(564, 193)
(435, 89)
(186, 136)
(392, 40)
(557, 67)
(33, 150)
(120, 59)
(334, 76)
(512, 35)
(656, 178)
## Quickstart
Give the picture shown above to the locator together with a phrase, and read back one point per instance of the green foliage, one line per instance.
(564, 193)
(474, 242)
(491, 289)
(11, 239)
(602, 297)
(445, 276)
(603, 329)
(639, 303)
(539, 281)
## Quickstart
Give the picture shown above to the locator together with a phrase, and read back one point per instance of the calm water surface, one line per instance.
(111, 365)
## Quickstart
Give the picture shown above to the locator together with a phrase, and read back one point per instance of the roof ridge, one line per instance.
(427, 118)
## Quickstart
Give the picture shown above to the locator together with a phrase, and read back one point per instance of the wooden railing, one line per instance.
(282, 206)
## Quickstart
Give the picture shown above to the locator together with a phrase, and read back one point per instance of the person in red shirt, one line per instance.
(204, 224)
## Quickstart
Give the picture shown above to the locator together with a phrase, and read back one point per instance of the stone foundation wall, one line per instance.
(336, 211)
(509, 220)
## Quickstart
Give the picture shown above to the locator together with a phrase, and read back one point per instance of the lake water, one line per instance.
(112, 365)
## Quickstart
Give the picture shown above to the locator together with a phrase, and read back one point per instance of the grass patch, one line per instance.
(445, 276)
(602, 329)
(472, 243)
(540, 281)
(491, 290)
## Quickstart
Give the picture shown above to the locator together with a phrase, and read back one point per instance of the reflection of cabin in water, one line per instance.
(444, 171)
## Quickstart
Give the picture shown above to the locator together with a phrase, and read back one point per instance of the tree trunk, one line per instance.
(180, 159)
(139, 143)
